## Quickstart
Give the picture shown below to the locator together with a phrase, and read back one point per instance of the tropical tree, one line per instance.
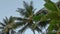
(6, 24)
(30, 19)
(53, 15)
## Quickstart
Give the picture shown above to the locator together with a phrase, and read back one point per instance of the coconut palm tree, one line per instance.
(7, 24)
(29, 18)
(53, 14)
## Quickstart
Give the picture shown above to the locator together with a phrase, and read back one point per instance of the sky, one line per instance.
(8, 8)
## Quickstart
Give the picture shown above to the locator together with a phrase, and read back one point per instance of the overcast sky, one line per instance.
(9, 7)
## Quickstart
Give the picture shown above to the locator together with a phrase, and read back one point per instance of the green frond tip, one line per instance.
(51, 6)
(11, 19)
(28, 9)
(5, 20)
(47, 0)
(37, 17)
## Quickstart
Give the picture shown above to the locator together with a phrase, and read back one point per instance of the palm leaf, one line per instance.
(23, 29)
(1, 27)
(11, 20)
(21, 11)
(18, 24)
(53, 25)
(38, 29)
(28, 8)
(20, 19)
(2, 24)
(5, 21)
(50, 4)
(37, 17)
(33, 30)
(47, 0)
(43, 24)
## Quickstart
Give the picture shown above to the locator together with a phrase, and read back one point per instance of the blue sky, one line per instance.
(9, 7)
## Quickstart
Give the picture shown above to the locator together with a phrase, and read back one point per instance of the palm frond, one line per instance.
(38, 29)
(43, 24)
(47, 0)
(11, 20)
(18, 24)
(20, 19)
(21, 11)
(5, 21)
(2, 24)
(1, 27)
(37, 17)
(23, 29)
(50, 4)
(33, 30)
(28, 8)
(25, 4)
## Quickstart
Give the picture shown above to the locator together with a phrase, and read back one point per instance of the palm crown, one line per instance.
(7, 24)
(30, 20)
